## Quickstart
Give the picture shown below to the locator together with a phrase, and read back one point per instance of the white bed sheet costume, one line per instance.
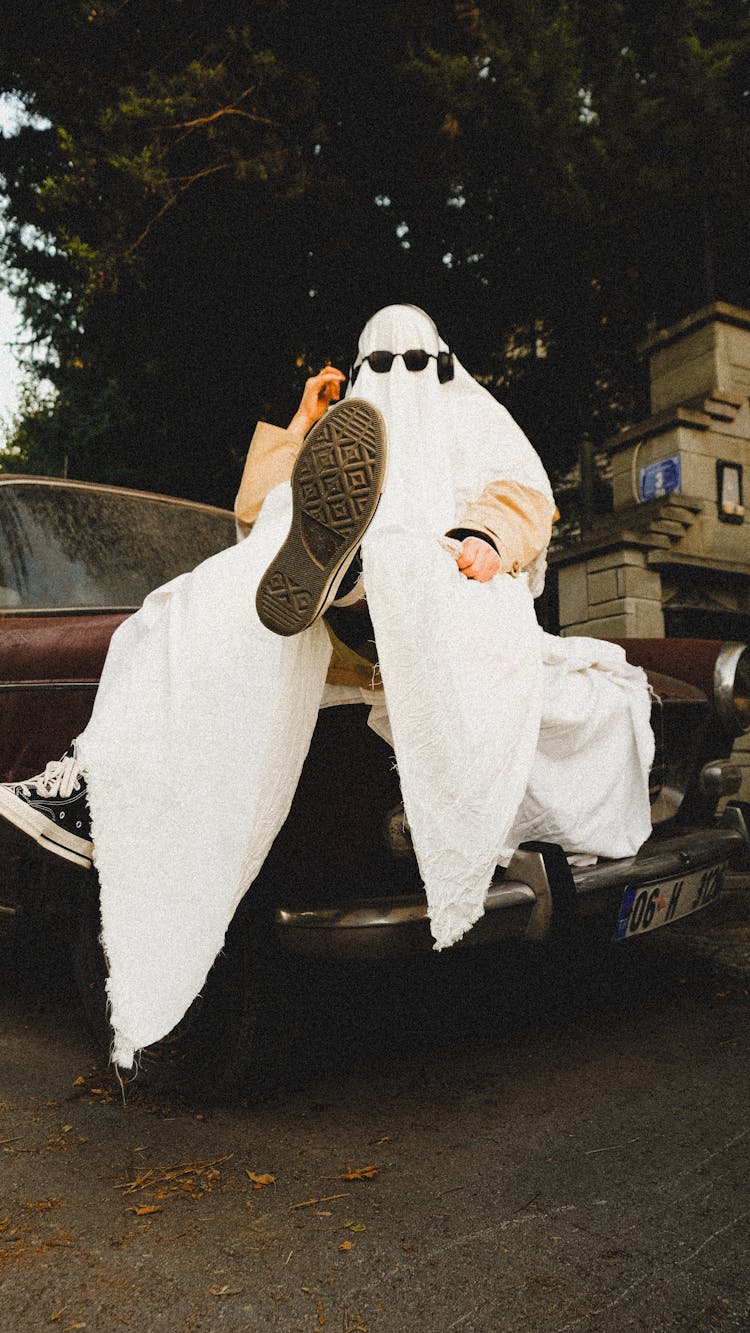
(204, 717)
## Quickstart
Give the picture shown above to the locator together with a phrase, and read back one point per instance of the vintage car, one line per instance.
(341, 880)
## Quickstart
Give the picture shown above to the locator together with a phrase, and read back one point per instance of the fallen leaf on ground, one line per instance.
(225, 1291)
(61, 1312)
(77, 1083)
(355, 1226)
(358, 1326)
(346, 1245)
(260, 1180)
(141, 1210)
(361, 1173)
(172, 1174)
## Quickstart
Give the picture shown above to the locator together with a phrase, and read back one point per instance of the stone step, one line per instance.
(669, 526)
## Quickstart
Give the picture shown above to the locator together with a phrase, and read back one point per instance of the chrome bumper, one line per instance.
(538, 895)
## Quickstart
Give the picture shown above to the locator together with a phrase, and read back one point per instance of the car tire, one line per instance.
(230, 1044)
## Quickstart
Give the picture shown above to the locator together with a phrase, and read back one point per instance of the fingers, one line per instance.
(319, 392)
(325, 385)
(478, 560)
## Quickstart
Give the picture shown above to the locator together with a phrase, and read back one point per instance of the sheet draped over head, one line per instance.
(461, 661)
(203, 717)
(447, 441)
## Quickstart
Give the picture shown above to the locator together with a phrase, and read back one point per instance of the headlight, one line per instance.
(732, 687)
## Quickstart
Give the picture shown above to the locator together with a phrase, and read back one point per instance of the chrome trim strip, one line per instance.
(104, 488)
(377, 912)
(661, 858)
(27, 612)
(18, 687)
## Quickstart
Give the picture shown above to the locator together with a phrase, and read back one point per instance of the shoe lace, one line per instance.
(61, 777)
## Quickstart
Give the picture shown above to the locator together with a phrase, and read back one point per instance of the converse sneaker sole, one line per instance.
(336, 486)
(45, 831)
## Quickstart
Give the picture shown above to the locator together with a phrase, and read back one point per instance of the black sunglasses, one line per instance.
(415, 359)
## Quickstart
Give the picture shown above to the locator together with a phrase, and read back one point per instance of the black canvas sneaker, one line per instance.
(52, 809)
(337, 482)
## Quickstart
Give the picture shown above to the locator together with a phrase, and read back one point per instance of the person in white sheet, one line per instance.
(420, 493)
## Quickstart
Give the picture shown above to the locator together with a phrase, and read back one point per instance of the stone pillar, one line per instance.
(610, 594)
(670, 540)
(674, 556)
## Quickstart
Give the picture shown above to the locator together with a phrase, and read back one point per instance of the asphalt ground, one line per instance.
(527, 1141)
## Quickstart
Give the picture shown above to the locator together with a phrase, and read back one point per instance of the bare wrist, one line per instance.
(299, 426)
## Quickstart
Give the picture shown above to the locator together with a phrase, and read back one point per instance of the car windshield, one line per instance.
(63, 546)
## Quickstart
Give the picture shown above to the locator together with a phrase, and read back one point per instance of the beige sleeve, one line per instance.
(270, 460)
(517, 519)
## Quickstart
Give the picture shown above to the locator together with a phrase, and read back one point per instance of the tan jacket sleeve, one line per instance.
(517, 519)
(270, 460)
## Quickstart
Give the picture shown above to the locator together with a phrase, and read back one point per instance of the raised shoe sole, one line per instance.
(44, 831)
(336, 486)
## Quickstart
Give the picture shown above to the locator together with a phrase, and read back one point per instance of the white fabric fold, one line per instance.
(192, 757)
(461, 667)
(588, 785)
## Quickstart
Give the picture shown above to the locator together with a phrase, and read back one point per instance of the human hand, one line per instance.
(319, 392)
(477, 559)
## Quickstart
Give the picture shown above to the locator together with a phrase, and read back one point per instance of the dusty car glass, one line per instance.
(66, 547)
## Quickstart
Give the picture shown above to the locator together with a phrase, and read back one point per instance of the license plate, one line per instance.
(653, 905)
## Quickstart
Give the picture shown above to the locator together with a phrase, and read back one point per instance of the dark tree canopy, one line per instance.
(224, 192)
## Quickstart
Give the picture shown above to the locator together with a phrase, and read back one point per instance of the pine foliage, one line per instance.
(213, 197)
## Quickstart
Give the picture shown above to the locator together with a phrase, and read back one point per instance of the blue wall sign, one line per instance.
(662, 478)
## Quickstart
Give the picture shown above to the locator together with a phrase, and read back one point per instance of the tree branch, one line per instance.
(173, 199)
(231, 110)
(216, 115)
